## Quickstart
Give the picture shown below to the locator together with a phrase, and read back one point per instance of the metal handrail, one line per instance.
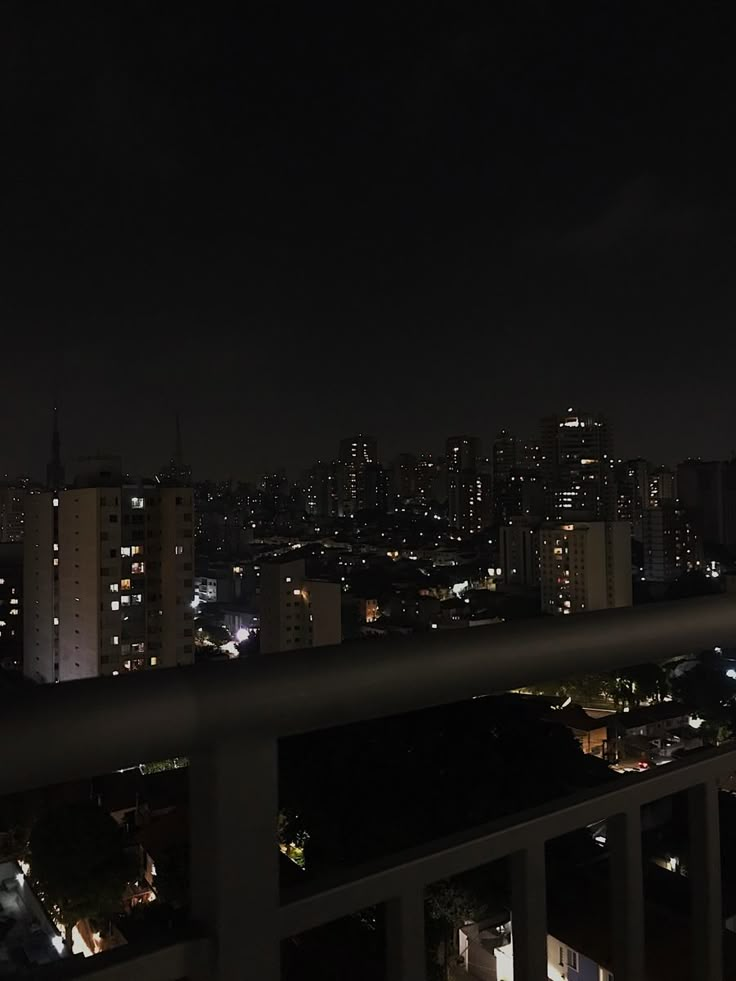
(64, 732)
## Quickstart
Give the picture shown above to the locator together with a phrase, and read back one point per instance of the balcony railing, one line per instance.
(229, 717)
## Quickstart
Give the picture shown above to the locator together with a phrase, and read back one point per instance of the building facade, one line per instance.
(576, 461)
(468, 486)
(585, 566)
(519, 552)
(296, 612)
(108, 578)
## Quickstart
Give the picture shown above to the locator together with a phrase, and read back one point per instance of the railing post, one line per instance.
(235, 859)
(406, 951)
(529, 913)
(704, 872)
(627, 895)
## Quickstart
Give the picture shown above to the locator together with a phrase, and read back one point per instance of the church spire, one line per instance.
(55, 468)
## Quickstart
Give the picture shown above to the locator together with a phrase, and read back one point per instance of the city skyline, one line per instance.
(76, 448)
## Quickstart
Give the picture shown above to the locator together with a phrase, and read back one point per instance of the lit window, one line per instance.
(137, 597)
(56, 502)
(14, 612)
(115, 605)
(14, 602)
(136, 550)
(56, 561)
(137, 503)
(288, 579)
(138, 568)
(138, 648)
(125, 551)
(297, 592)
(56, 546)
(125, 583)
(179, 550)
(125, 600)
(114, 588)
(154, 662)
(56, 621)
(115, 640)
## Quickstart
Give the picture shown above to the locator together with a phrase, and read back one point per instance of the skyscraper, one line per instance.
(671, 546)
(356, 453)
(632, 483)
(108, 577)
(576, 459)
(468, 490)
(11, 512)
(585, 566)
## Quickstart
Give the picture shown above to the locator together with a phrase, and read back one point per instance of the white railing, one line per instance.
(229, 717)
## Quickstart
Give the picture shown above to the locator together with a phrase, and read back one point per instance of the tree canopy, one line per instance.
(78, 862)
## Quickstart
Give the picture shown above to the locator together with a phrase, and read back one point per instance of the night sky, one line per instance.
(339, 217)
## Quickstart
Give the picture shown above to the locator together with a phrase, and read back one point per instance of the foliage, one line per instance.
(78, 863)
(450, 904)
(175, 763)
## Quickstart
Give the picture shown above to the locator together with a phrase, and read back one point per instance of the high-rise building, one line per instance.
(108, 577)
(404, 478)
(468, 488)
(632, 482)
(321, 490)
(662, 486)
(356, 453)
(296, 612)
(671, 545)
(700, 491)
(576, 460)
(519, 552)
(11, 604)
(585, 566)
(11, 512)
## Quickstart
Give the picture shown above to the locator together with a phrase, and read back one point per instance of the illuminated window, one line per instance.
(114, 588)
(115, 640)
(14, 602)
(137, 503)
(288, 579)
(179, 550)
(138, 568)
(125, 583)
(137, 598)
(14, 612)
(56, 561)
(138, 648)
(56, 546)
(136, 550)
(125, 551)
(115, 605)
(125, 600)
(154, 662)
(56, 621)
(56, 502)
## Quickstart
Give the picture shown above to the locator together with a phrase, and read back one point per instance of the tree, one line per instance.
(451, 904)
(78, 863)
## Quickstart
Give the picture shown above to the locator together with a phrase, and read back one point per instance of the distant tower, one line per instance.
(55, 468)
(176, 473)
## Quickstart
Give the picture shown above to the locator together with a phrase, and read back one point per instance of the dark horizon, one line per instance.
(412, 223)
